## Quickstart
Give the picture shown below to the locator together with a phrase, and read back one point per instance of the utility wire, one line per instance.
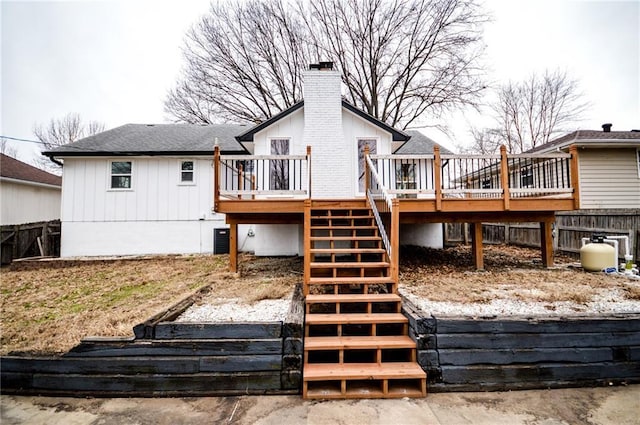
(22, 140)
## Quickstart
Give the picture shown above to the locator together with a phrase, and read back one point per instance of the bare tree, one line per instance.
(62, 131)
(531, 113)
(400, 59)
(243, 63)
(7, 149)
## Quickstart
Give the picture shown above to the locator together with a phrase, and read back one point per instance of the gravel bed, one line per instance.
(236, 310)
(609, 303)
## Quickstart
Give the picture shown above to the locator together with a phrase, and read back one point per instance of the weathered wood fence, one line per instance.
(465, 354)
(569, 230)
(30, 240)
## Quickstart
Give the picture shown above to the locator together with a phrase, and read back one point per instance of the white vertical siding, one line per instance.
(609, 178)
(24, 203)
(156, 193)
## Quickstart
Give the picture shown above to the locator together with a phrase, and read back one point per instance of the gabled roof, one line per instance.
(595, 138)
(155, 139)
(11, 168)
(396, 134)
(419, 144)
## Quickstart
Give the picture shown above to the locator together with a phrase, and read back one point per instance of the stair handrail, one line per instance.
(374, 180)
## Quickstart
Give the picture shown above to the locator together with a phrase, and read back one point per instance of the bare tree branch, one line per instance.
(532, 112)
(400, 60)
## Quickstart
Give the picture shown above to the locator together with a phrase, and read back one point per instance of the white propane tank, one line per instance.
(597, 255)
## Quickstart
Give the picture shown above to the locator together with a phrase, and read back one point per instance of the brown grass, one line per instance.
(49, 306)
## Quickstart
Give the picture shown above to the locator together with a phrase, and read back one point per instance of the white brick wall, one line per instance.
(332, 175)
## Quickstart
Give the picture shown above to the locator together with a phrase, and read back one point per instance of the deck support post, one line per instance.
(476, 245)
(395, 240)
(233, 246)
(575, 178)
(216, 177)
(437, 177)
(546, 242)
(504, 177)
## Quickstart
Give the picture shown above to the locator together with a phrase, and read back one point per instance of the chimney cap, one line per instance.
(321, 66)
(607, 127)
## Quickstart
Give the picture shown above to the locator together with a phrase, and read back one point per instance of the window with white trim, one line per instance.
(187, 175)
(121, 172)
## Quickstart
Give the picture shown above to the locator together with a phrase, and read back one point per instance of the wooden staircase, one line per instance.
(356, 341)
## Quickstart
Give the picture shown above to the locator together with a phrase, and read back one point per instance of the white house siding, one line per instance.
(23, 203)
(157, 216)
(428, 234)
(609, 178)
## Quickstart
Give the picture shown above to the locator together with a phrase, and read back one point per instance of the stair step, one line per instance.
(349, 265)
(357, 342)
(349, 280)
(352, 298)
(345, 227)
(345, 238)
(345, 251)
(355, 318)
(339, 371)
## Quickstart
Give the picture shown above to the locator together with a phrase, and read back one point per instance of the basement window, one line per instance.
(121, 174)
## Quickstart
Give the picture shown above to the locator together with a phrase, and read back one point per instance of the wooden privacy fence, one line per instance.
(570, 228)
(30, 240)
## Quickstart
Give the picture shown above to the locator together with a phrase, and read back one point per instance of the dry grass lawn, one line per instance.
(49, 306)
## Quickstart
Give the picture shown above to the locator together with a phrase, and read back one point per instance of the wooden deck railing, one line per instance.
(502, 176)
(251, 176)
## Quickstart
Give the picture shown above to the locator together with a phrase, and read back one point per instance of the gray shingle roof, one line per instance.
(155, 139)
(419, 144)
(587, 135)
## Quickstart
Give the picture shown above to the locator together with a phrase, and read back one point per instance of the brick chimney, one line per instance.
(331, 160)
(607, 127)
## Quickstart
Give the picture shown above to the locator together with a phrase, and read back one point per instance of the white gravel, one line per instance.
(610, 303)
(235, 310)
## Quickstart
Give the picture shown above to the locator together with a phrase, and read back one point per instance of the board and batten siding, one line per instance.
(609, 178)
(156, 193)
(158, 215)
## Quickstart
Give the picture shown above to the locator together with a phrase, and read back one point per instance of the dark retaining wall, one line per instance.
(171, 359)
(465, 354)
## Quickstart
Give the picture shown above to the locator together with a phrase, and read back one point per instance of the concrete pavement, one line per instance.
(611, 405)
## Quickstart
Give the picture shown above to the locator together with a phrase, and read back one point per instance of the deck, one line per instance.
(277, 189)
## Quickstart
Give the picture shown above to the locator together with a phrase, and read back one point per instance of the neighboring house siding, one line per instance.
(26, 203)
(609, 178)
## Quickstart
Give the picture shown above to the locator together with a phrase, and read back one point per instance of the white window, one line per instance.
(121, 174)
(187, 172)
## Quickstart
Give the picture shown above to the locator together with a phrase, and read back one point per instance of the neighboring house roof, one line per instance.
(11, 168)
(396, 134)
(419, 144)
(594, 138)
(155, 139)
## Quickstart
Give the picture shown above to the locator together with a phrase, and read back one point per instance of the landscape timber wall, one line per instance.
(465, 354)
(168, 358)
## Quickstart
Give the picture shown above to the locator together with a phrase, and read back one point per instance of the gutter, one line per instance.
(30, 183)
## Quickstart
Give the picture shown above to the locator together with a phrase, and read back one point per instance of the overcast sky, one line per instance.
(114, 61)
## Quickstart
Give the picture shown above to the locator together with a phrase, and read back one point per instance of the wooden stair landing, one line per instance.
(356, 338)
